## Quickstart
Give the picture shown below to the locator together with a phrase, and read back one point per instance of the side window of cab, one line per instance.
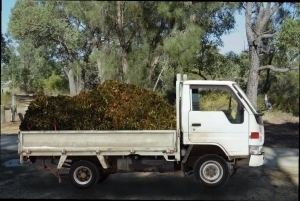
(217, 98)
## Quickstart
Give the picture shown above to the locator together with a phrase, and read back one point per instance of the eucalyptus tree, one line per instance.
(4, 50)
(36, 64)
(5, 57)
(10, 70)
(216, 18)
(55, 26)
(142, 42)
(197, 27)
(257, 23)
(120, 23)
(282, 83)
(149, 34)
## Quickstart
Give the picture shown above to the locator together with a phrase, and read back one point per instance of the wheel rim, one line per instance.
(211, 172)
(82, 175)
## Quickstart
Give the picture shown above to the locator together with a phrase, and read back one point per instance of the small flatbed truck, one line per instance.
(209, 143)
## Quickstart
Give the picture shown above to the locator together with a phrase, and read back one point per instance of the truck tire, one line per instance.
(83, 174)
(102, 176)
(211, 171)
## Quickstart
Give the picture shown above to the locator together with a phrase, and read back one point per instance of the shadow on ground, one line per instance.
(284, 135)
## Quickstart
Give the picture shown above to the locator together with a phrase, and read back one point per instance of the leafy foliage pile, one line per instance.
(110, 106)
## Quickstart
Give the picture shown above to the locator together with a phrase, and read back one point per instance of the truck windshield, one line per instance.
(242, 94)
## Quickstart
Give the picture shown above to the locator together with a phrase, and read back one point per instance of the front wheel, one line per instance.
(211, 171)
(83, 174)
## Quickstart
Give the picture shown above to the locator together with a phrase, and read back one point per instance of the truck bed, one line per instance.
(90, 142)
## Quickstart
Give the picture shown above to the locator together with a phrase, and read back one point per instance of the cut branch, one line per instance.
(161, 72)
(274, 69)
(153, 66)
(267, 35)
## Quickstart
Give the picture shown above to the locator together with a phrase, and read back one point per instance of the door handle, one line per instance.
(196, 124)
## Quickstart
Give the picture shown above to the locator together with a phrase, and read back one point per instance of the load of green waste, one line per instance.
(110, 106)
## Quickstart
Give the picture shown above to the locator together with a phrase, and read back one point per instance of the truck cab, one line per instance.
(217, 121)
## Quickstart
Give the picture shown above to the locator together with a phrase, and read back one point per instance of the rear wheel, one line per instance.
(211, 171)
(83, 174)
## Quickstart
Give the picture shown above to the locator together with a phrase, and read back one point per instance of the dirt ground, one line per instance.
(12, 127)
(285, 135)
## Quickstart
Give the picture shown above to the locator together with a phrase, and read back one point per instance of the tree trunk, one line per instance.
(121, 36)
(125, 66)
(161, 72)
(252, 83)
(255, 33)
(152, 67)
(100, 70)
(72, 84)
(81, 81)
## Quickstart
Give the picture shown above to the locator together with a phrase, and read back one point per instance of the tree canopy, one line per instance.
(146, 43)
(4, 50)
(265, 22)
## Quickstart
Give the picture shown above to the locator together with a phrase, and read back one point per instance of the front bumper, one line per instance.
(257, 160)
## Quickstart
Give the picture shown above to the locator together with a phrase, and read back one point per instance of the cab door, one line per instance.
(218, 117)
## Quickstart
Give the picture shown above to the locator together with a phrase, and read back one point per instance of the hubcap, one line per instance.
(82, 175)
(211, 172)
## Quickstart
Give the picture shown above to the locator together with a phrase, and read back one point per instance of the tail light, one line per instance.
(254, 135)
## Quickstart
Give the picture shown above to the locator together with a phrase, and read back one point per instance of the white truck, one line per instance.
(211, 140)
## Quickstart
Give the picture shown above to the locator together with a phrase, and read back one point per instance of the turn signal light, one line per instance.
(254, 135)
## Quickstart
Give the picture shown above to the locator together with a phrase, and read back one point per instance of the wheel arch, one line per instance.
(204, 149)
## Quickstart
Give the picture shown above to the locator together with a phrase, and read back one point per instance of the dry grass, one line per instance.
(278, 117)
